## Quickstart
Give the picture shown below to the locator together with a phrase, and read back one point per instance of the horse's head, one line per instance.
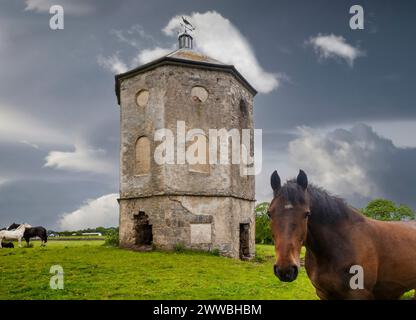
(289, 212)
(13, 226)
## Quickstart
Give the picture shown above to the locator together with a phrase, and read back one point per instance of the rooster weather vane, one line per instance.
(187, 25)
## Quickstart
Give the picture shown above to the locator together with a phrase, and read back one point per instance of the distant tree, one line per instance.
(112, 238)
(102, 230)
(386, 210)
(263, 232)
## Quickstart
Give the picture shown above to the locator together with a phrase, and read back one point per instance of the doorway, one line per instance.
(244, 241)
(143, 230)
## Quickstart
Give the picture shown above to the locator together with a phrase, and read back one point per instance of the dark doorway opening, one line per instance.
(244, 241)
(143, 230)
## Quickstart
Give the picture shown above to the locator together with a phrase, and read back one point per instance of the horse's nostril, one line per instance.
(276, 271)
(294, 272)
(287, 274)
(291, 272)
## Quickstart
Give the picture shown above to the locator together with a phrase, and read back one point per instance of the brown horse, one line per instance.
(343, 248)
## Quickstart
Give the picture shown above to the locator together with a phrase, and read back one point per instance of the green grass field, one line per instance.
(94, 271)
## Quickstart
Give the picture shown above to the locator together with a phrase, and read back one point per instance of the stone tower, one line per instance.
(204, 206)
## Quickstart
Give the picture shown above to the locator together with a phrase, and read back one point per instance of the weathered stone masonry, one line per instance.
(197, 206)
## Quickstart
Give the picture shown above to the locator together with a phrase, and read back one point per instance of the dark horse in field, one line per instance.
(340, 244)
(32, 232)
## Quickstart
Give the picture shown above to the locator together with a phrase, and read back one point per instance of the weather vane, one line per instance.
(187, 25)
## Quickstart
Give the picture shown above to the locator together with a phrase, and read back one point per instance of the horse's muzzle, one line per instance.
(286, 274)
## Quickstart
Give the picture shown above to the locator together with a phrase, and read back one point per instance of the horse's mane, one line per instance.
(325, 208)
(16, 226)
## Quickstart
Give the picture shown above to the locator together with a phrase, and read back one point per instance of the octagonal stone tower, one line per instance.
(193, 205)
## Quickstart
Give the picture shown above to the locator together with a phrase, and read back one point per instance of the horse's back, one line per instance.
(411, 224)
(10, 235)
(396, 252)
(396, 234)
(36, 232)
(400, 228)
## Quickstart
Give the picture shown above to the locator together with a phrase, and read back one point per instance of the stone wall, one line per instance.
(169, 101)
(199, 210)
(186, 220)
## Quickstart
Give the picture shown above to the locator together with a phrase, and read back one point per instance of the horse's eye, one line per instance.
(307, 214)
(269, 215)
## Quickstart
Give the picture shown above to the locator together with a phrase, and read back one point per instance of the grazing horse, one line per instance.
(348, 256)
(16, 234)
(32, 232)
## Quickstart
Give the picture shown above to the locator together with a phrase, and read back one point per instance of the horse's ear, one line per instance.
(302, 179)
(275, 181)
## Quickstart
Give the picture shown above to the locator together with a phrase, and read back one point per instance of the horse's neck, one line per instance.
(327, 239)
(320, 239)
(21, 229)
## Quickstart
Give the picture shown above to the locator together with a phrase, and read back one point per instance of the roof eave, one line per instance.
(175, 61)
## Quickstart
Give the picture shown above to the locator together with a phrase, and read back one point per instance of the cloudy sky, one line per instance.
(337, 102)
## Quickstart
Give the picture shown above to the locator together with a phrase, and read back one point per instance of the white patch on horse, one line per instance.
(289, 206)
(16, 234)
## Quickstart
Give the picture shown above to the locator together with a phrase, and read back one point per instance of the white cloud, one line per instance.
(400, 132)
(148, 55)
(23, 127)
(332, 46)
(100, 212)
(218, 38)
(75, 7)
(82, 159)
(336, 160)
(357, 163)
(113, 64)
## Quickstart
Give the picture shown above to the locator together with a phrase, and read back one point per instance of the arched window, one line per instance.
(243, 107)
(142, 165)
(199, 154)
(199, 94)
(142, 97)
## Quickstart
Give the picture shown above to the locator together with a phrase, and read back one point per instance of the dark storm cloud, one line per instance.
(40, 202)
(72, 7)
(275, 157)
(53, 79)
(357, 163)
(23, 161)
(38, 195)
(328, 92)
